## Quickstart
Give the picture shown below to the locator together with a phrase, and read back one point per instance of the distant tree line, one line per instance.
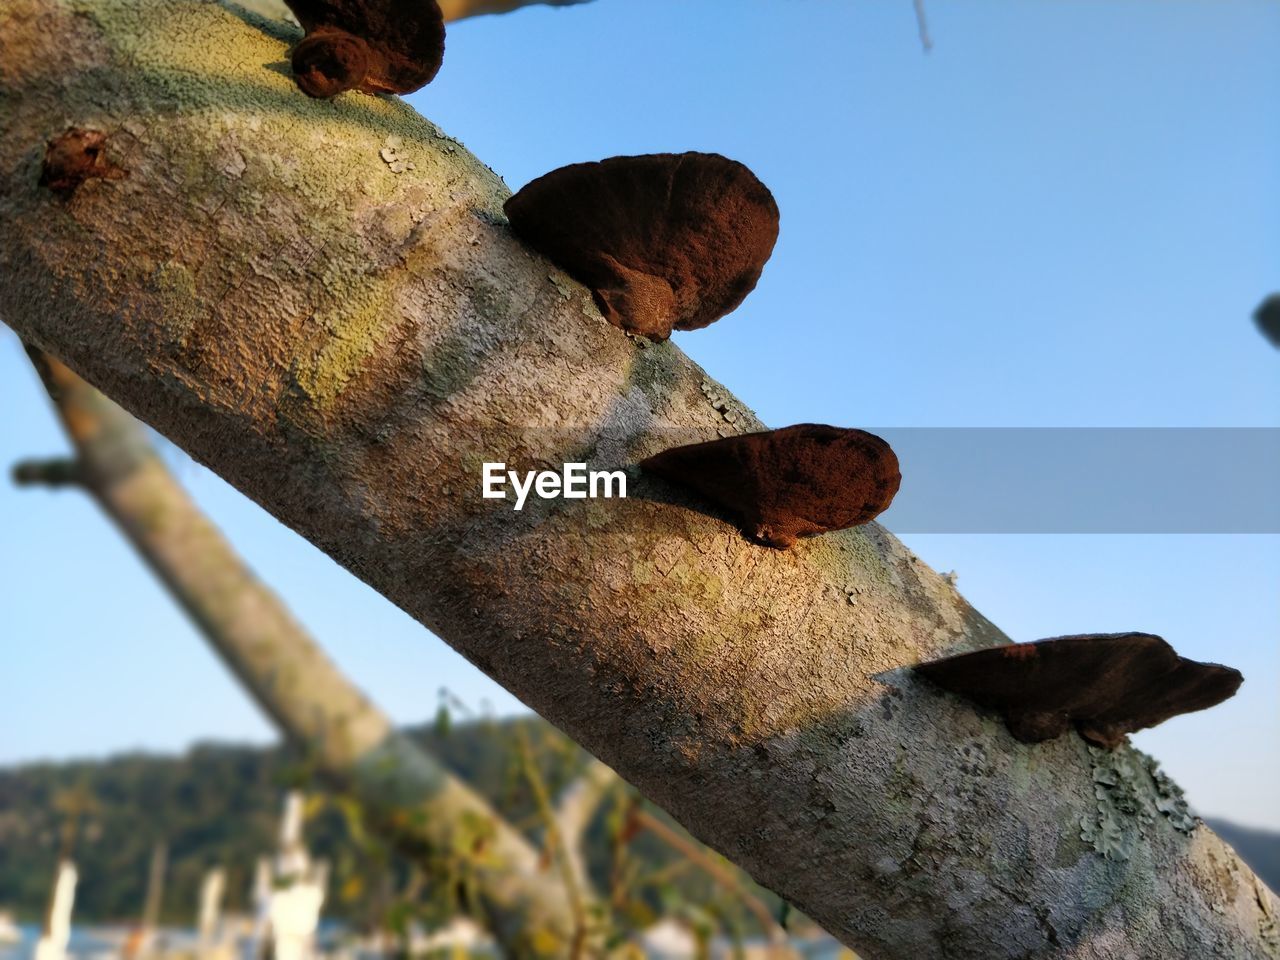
(220, 804)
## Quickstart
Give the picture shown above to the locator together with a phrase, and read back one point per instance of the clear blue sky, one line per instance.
(1063, 216)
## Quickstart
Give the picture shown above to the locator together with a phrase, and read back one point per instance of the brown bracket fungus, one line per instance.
(795, 482)
(74, 157)
(1267, 317)
(1108, 684)
(374, 46)
(665, 241)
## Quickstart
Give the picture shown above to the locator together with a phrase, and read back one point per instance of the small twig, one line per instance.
(922, 24)
(667, 873)
(578, 805)
(554, 842)
(714, 868)
(54, 472)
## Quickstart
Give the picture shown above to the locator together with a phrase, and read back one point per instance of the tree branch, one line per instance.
(574, 811)
(571, 873)
(709, 865)
(460, 9)
(452, 9)
(54, 472)
(403, 790)
(348, 345)
(922, 26)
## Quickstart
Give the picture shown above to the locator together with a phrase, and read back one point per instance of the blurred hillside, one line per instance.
(220, 804)
(1259, 848)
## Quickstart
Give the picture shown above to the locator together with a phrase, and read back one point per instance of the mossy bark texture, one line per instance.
(347, 344)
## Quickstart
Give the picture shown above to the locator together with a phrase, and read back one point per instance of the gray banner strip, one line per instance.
(1086, 480)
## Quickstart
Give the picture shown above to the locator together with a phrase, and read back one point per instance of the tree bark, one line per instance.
(406, 794)
(348, 345)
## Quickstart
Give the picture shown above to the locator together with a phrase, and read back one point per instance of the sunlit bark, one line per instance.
(347, 345)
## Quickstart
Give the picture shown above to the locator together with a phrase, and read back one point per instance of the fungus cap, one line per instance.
(1108, 685)
(375, 46)
(74, 156)
(1267, 317)
(664, 241)
(789, 483)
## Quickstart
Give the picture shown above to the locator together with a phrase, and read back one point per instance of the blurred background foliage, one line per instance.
(219, 805)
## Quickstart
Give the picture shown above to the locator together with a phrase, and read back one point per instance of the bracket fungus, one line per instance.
(1267, 317)
(1108, 685)
(73, 157)
(665, 241)
(795, 482)
(374, 46)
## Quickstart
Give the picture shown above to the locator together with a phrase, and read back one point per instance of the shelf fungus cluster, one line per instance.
(1267, 317)
(667, 241)
(675, 242)
(1106, 685)
(73, 157)
(374, 46)
(784, 484)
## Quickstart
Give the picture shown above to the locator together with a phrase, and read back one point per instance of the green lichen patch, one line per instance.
(655, 369)
(1170, 801)
(735, 417)
(219, 61)
(177, 302)
(356, 331)
(1131, 795)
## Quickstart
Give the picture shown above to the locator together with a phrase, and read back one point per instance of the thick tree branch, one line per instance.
(348, 345)
(460, 9)
(404, 791)
(452, 9)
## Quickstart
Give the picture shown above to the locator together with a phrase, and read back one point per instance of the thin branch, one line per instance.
(576, 808)
(922, 25)
(715, 868)
(404, 792)
(55, 473)
(555, 843)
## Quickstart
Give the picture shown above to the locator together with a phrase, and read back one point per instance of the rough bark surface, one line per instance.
(404, 791)
(347, 345)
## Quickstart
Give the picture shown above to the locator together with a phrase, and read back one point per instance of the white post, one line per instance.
(292, 860)
(52, 944)
(297, 894)
(146, 933)
(261, 899)
(211, 889)
(295, 915)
